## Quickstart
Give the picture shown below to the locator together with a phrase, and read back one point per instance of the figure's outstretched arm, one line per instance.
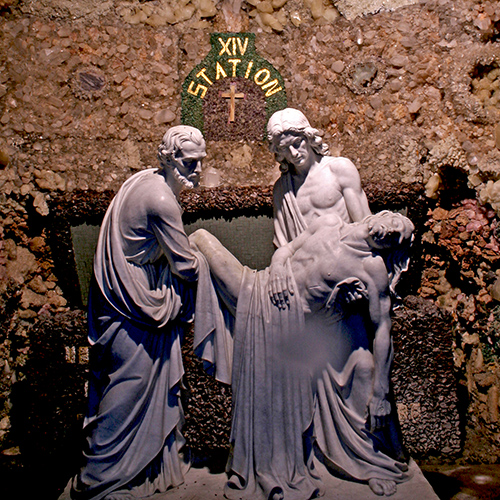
(226, 269)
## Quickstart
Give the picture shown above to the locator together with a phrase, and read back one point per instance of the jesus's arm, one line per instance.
(380, 305)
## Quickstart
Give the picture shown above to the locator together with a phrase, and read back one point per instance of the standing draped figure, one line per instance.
(142, 296)
(313, 185)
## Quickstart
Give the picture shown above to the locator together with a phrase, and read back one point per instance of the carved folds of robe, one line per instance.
(141, 297)
(271, 451)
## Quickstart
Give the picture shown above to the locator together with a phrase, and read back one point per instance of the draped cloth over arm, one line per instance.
(288, 220)
(272, 401)
(213, 328)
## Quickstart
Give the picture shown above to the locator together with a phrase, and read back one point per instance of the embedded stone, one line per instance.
(184, 13)
(317, 9)
(338, 66)
(330, 14)
(277, 4)
(414, 107)
(432, 186)
(156, 20)
(89, 82)
(207, 8)
(271, 21)
(265, 7)
(295, 18)
(29, 299)
(495, 290)
(128, 92)
(351, 9)
(482, 21)
(164, 116)
(4, 159)
(145, 114)
(399, 61)
(23, 265)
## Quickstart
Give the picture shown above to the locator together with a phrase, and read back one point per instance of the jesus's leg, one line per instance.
(226, 269)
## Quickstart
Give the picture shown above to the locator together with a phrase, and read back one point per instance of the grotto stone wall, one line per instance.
(410, 94)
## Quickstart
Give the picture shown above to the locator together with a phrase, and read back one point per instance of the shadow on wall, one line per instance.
(48, 407)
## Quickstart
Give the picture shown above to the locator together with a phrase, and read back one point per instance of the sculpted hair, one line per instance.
(396, 258)
(292, 121)
(172, 141)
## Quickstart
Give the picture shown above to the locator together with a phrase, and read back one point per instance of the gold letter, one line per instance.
(235, 63)
(220, 71)
(257, 76)
(198, 88)
(273, 88)
(249, 67)
(205, 77)
(225, 46)
(243, 48)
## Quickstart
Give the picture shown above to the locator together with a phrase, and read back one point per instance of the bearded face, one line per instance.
(185, 163)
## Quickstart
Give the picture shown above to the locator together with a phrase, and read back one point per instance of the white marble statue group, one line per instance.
(305, 343)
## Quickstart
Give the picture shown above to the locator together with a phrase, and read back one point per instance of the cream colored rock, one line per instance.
(73, 9)
(491, 194)
(330, 14)
(134, 16)
(184, 13)
(271, 21)
(265, 7)
(296, 18)
(157, 20)
(281, 17)
(317, 8)
(40, 203)
(277, 4)
(206, 8)
(351, 9)
(432, 186)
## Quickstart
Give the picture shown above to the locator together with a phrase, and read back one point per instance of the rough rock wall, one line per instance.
(411, 95)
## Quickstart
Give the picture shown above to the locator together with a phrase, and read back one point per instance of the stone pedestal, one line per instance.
(201, 485)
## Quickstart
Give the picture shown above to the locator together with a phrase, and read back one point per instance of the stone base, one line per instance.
(201, 485)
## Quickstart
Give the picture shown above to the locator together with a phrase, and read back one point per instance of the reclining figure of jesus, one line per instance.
(314, 376)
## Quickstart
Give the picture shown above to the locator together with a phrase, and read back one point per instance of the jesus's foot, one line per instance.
(382, 486)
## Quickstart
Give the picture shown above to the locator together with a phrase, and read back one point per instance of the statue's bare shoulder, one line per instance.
(344, 169)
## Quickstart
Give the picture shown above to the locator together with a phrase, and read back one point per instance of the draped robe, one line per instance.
(141, 298)
(271, 451)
